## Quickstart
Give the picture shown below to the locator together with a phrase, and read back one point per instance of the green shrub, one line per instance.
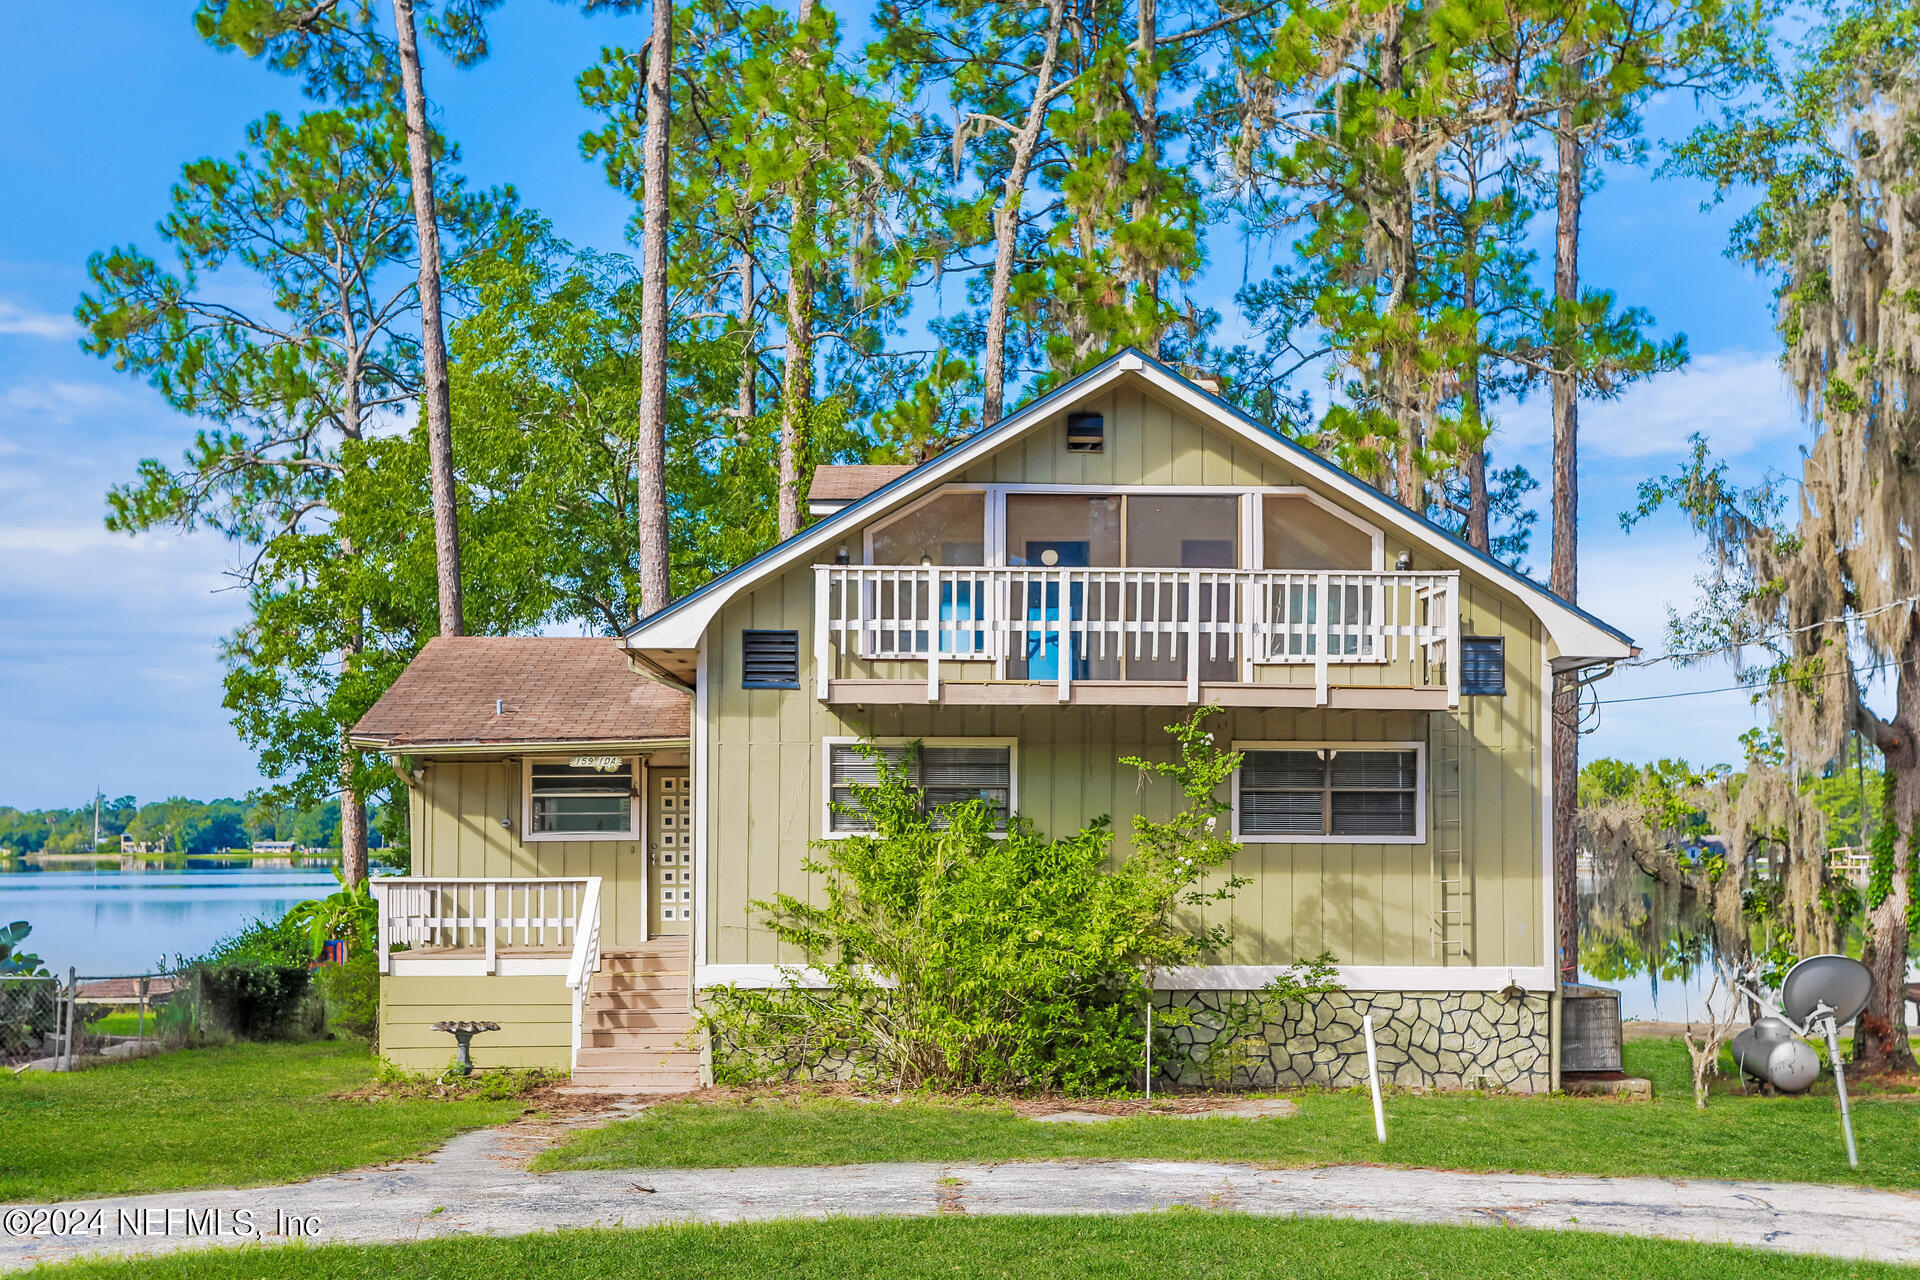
(352, 992)
(958, 957)
(255, 999)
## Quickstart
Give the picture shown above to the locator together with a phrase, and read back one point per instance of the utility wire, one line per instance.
(1743, 688)
(1690, 654)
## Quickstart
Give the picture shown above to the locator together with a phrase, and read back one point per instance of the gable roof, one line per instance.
(518, 691)
(1581, 636)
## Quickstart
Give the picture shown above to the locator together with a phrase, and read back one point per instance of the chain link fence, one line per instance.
(51, 1021)
(33, 1014)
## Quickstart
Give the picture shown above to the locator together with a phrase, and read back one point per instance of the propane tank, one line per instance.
(1770, 1051)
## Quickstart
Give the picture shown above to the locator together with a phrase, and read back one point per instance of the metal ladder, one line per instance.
(1452, 893)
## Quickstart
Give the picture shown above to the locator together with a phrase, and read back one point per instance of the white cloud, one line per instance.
(65, 401)
(28, 323)
(1739, 400)
(1633, 583)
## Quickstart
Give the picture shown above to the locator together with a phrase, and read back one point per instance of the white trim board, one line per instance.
(404, 964)
(1579, 640)
(1217, 977)
(762, 975)
(1361, 977)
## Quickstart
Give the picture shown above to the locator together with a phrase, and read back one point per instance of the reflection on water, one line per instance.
(1648, 940)
(109, 920)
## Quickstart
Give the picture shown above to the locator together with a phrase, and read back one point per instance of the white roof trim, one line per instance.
(1579, 639)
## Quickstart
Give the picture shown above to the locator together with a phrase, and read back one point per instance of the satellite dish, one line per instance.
(1839, 982)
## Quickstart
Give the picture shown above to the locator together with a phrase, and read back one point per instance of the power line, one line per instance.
(1742, 688)
(1687, 655)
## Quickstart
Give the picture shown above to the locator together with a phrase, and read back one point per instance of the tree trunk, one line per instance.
(1006, 220)
(353, 820)
(796, 391)
(433, 334)
(1566, 503)
(650, 481)
(1880, 1034)
(1148, 272)
(1473, 455)
(749, 341)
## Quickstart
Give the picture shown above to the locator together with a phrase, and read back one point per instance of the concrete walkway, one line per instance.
(477, 1185)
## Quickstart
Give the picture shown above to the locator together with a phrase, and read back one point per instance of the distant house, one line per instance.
(593, 819)
(275, 846)
(129, 845)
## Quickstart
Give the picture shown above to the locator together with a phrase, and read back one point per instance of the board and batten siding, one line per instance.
(534, 1013)
(1368, 904)
(467, 824)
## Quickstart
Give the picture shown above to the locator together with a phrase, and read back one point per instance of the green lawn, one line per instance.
(120, 1022)
(248, 1115)
(1192, 1245)
(1737, 1137)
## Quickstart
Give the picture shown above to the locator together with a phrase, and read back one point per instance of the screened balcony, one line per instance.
(1258, 599)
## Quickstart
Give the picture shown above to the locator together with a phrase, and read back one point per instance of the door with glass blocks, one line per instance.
(669, 852)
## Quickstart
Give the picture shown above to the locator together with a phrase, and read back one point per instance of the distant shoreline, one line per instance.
(160, 861)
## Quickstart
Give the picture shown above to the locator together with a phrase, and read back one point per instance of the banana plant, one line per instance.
(350, 914)
(14, 962)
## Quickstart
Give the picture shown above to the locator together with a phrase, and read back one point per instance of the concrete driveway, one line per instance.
(477, 1185)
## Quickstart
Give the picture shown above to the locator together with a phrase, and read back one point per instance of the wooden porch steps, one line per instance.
(638, 1034)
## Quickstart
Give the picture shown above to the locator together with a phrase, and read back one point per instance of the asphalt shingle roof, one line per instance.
(549, 689)
(850, 482)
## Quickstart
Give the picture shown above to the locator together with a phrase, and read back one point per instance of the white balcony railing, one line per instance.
(485, 917)
(1065, 624)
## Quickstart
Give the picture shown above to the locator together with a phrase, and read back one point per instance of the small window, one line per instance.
(1357, 793)
(943, 774)
(1483, 666)
(588, 796)
(769, 659)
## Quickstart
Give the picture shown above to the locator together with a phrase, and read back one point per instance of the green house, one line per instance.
(593, 817)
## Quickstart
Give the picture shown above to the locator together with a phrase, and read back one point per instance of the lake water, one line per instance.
(109, 922)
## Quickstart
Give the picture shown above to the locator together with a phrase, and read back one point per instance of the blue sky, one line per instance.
(109, 663)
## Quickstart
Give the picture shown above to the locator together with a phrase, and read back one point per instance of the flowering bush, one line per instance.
(956, 957)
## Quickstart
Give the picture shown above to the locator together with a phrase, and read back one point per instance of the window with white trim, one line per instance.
(1360, 793)
(586, 797)
(943, 773)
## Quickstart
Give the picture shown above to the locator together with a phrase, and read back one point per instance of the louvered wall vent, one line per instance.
(769, 659)
(1483, 666)
(1086, 433)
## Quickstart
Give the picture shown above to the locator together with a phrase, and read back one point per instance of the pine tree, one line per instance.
(318, 210)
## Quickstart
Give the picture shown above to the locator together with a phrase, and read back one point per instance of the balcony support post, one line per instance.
(1193, 637)
(1323, 640)
(1451, 594)
(934, 636)
(822, 592)
(1062, 633)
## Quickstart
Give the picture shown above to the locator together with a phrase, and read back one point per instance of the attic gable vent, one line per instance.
(769, 659)
(1483, 666)
(1086, 433)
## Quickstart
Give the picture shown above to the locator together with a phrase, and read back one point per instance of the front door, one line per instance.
(669, 852)
(1045, 605)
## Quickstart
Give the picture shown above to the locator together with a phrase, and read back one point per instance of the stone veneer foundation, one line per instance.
(1435, 1040)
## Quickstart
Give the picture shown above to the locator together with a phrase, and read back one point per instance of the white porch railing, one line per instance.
(1181, 624)
(485, 916)
(585, 961)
